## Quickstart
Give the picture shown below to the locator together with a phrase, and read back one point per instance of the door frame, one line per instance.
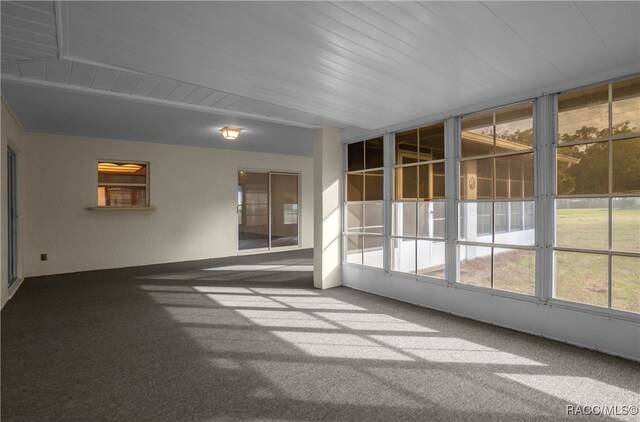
(12, 216)
(299, 231)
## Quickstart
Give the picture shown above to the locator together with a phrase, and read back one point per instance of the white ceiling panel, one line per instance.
(63, 112)
(58, 71)
(198, 95)
(544, 26)
(226, 101)
(11, 70)
(126, 82)
(368, 65)
(105, 78)
(616, 25)
(82, 74)
(181, 92)
(28, 31)
(146, 85)
(164, 88)
(213, 98)
(87, 77)
(34, 70)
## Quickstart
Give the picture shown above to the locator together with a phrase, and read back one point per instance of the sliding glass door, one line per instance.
(268, 210)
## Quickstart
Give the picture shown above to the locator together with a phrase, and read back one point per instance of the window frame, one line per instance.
(537, 213)
(397, 179)
(610, 253)
(495, 199)
(345, 203)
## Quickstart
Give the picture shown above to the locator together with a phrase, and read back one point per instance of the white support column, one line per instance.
(327, 183)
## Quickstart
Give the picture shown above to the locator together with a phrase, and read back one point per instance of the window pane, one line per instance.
(355, 187)
(374, 153)
(431, 219)
(430, 259)
(583, 169)
(582, 223)
(424, 181)
(284, 210)
(354, 217)
(512, 173)
(477, 134)
(529, 215)
(354, 249)
(514, 128)
(501, 217)
(404, 219)
(406, 179)
(583, 114)
(373, 220)
(432, 142)
(582, 277)
(515, 233)
(253, 196)
(355, 156)
(502, 177)
(407, 147)
(122, 196)
(403, 255)
(475, 265)
(476, 179)
(626, 224)
(514, 270)
(475, 221)
(373, 255)
(626, 166)
(516, 213)
(373, 189)
(626, 106)
(438, 180)
(625, 283)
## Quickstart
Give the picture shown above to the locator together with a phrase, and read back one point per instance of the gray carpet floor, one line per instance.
(248, 338)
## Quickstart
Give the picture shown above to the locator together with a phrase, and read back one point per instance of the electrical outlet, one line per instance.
(43, 257)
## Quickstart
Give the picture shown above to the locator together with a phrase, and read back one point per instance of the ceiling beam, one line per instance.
(62, 28)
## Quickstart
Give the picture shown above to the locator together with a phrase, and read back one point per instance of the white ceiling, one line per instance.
(312, 64)
(71, 113)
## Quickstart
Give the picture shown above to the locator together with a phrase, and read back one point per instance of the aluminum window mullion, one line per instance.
(345, 158)
(452, 180)
(387, 192)
(544, 178)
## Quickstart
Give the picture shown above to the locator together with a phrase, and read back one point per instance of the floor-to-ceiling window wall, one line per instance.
(545, 193)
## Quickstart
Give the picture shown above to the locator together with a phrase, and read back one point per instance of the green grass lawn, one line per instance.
(584, 277)
(580, 277)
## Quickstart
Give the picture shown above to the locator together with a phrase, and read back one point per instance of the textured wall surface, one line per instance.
(194, 190)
